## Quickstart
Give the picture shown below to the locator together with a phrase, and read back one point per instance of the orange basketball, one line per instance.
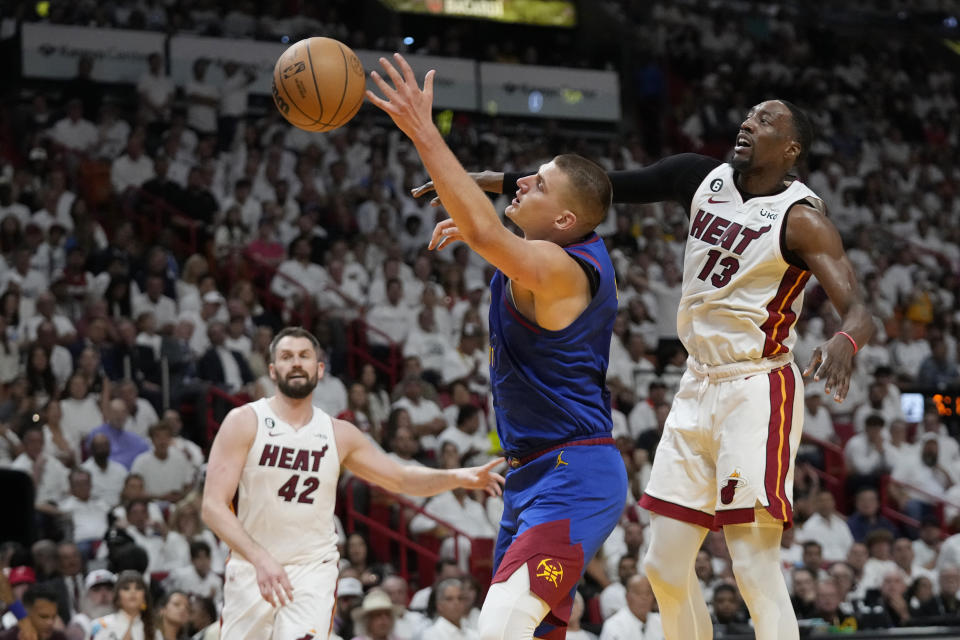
(318, 84)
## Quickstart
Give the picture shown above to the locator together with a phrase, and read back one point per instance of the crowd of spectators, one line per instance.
(111, 337)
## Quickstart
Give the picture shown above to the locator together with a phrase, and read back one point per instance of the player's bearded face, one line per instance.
(297, 383)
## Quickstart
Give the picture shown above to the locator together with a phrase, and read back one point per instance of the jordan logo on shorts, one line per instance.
(734, 480)
(560, 460)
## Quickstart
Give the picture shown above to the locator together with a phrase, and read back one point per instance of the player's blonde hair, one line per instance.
(589, 188)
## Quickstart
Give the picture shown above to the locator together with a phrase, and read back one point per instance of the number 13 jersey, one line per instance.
(288, 487)
(740, 296)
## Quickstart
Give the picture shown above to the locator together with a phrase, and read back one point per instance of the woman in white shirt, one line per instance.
(58, 442)
(133, 619)
(186, 527)
(188, 295)
(80, 409)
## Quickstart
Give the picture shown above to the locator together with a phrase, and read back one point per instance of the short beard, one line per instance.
(298, 392)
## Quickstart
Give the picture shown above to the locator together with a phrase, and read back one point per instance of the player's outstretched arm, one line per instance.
(814, 238)
(542, 267)
(228, 454)
(359, 455)
(674, 179)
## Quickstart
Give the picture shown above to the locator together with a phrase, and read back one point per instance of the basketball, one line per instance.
(318, 84)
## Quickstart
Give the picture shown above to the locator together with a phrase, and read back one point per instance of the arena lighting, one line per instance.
(408, 40)
(950, 22)
(535, 102)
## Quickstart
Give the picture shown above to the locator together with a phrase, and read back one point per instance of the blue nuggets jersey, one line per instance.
(550, 386)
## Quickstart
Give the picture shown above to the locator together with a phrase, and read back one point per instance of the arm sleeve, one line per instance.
(674, 178)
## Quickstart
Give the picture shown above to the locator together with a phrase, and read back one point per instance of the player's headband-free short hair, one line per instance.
(294, 332)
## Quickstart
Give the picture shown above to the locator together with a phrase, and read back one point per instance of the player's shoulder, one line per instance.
(240, 421)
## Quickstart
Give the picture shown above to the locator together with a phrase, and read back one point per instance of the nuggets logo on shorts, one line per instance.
(734, 480)
(551, 571)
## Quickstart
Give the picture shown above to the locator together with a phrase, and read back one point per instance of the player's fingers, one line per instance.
(427, 187)
(435, 202)
(823, 369)
(428, 84)
(438, 233)
(492, 464)
(814, 360)
(378, 101)
(388, 91)
(395, 76)
(405, 69)
(287, 586)
(267, 594)
(844, 386)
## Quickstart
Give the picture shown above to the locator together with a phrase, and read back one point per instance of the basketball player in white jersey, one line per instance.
(280, 457)
(726, 457)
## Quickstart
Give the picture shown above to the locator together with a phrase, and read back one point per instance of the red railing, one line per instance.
(358, 352)
(139, 204)
(264, 273)
(213, 425)
(834, 473)
(481, 556)
(834, 478)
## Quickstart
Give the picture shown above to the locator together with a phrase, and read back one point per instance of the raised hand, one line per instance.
(407, 105)
(444, 234)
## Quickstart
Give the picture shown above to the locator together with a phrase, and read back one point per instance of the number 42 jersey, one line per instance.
(288, 487)
(740, 296)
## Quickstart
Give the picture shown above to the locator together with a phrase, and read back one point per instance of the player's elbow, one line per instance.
(209, 511)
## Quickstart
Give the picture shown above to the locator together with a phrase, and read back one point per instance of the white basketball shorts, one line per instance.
(309, 616)
(729, 443)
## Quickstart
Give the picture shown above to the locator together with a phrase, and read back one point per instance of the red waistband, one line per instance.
(519, 462)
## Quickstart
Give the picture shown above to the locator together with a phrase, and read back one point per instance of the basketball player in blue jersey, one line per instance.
(554, 303)
(726, 456)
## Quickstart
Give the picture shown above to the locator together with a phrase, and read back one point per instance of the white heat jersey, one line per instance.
(740, 297)
(288, 487)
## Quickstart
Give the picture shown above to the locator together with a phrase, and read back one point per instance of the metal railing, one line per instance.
(138, 204)
(834, 477)
(481, 558)
(358, 352)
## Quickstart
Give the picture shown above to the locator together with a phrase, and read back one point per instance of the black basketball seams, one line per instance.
(346, 79)
(316, 87)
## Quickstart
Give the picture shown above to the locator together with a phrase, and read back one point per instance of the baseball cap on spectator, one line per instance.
(349, 587)
(22, 575)
(98, 577)
(213, 297)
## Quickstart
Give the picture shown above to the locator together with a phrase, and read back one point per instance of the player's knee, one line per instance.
(510, 611)
(750, 573)
(661, 574)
